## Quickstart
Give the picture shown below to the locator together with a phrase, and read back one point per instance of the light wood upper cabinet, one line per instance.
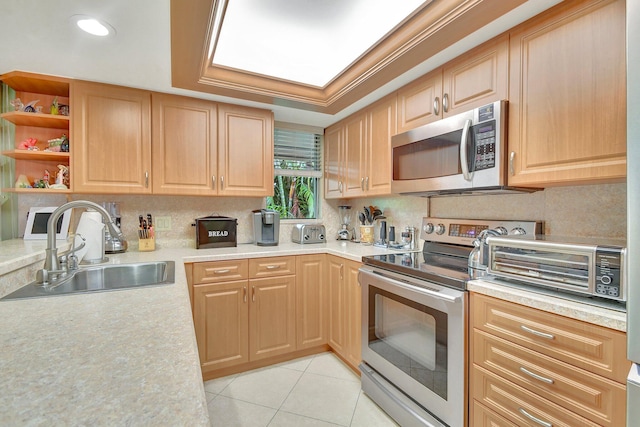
(333, 161)
(110, 139)
(476, 78)
(567, 113)
(358, 152)
(185, 145)
(245, 151)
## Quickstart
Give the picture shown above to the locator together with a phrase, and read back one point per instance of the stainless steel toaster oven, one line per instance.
(578, 265)
(308, 233)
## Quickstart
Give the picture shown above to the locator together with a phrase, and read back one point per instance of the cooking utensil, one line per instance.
(361, 217)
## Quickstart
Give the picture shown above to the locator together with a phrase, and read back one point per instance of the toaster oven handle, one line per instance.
(464, 141)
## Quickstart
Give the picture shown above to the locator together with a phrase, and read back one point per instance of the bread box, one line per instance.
(216, 232)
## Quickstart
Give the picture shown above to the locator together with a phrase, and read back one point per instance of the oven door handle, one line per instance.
(411, 287)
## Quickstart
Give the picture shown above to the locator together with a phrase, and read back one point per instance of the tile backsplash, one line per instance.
(590, 210)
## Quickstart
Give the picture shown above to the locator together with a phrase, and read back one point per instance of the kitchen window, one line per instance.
(297, 163)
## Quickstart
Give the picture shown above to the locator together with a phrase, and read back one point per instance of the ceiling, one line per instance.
(37, 36)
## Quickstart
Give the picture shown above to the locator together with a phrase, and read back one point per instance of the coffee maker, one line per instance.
(266, 227)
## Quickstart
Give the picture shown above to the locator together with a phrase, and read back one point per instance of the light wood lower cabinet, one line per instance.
(312, 295)
(251, 312)
(530, 365)
(345, 310)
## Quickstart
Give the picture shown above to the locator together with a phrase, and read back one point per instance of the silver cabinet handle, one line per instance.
(272, 267)
(253, 293)
(534, 419)
(221, 271)
(537, 333)
(512, 158)
(464, 140)
(146, 179)
(244, 294)
(366, 182)
(340, 186)
(445, 102)
(536, 376)
(222, 182)
(213, 181)
(362, 183)
(436, 106)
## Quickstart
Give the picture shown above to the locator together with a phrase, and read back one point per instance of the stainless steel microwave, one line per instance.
(465, 153)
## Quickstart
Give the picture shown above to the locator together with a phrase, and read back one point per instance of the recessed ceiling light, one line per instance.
(93, 26)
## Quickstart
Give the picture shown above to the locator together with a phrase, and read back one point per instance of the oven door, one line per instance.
(414, 338)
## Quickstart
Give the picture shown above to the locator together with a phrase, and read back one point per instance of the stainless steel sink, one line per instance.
(104, 278)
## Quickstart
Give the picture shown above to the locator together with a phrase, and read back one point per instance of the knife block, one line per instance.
(147, 245)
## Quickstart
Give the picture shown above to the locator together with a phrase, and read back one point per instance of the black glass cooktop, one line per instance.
(447, 267)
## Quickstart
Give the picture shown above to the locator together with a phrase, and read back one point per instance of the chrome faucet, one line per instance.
(56, 269)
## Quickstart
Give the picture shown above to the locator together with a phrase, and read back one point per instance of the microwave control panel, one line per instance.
(485, 138)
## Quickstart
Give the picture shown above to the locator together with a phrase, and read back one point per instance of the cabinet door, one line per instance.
(272, 323)
(353, 316)
(111, 139)
(354, 149)
(381, 122)
(337, 304)
(416, 102)
(245, 151)
(567, 111)
(220, 318)
(478, 78)
(311, 301)
(333, 162)
(184, 145)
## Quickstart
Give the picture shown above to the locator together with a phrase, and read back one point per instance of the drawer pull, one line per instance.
(536, 376)
(225, 271)
(272, 267)
(537, 333)
(534, 419)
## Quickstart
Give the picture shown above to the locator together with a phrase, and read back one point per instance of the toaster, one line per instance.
(308, 233)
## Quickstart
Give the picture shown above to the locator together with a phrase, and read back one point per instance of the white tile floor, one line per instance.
(312, 391)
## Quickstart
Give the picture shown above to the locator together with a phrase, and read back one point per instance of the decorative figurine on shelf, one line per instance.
(31, 107)
(22, 182)
(64, 147)
(28, 144)
(17, 104)
(54, 106)
(62, 178)
(55, 145)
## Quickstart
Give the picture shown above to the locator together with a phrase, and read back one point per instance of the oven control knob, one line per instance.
(503, 231)
(440, 229)
(518, 230)
(428, 228)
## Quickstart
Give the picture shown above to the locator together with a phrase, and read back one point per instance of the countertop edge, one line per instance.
(590, 313)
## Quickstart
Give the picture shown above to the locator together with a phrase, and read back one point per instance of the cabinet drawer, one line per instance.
(270, 267)
(220, 271)
(594, 348)
(592, 396)
(484, 417)
(518, 405)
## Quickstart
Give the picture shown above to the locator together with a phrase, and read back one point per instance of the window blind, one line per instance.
(297, 153)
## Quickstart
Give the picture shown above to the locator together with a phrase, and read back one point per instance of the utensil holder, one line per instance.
(147, 245)
(366, 234)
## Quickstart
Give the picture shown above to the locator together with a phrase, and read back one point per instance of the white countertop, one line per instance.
(124, 357)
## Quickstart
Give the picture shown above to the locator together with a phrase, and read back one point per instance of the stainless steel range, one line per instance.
(414, 323)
